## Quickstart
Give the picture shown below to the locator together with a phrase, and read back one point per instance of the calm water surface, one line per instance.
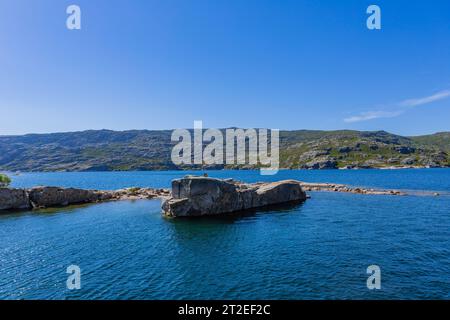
(317, 250)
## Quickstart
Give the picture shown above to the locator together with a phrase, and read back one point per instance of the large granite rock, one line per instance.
(198, 196)
(14, 199)
(42, 197)
(45, 197)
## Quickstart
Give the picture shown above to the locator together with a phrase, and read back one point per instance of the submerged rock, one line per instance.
(199, 196)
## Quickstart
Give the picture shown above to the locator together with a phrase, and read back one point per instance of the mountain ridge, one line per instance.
(109, 150)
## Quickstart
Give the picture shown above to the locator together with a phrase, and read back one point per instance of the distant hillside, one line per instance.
(361, 149)
(438, 140)
(105, 150)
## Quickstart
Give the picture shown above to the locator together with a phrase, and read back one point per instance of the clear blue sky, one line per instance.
(246, 63)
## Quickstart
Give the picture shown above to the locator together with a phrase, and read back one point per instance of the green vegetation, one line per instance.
(133, 190)
(438, 140)
(355, 149)
(4, 180)
(105, 150)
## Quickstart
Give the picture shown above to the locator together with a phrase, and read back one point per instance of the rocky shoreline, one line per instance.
(191, 195)
(200, 196)
(47, 197)
(331, 187)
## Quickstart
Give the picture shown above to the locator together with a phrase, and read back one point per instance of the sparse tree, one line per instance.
(4, 180)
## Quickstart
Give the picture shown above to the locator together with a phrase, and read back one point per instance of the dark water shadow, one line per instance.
(192, 234)
(240, 215)
(44, 211)
(61, 209)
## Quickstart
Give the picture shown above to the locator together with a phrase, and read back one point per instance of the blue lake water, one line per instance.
(317, 250)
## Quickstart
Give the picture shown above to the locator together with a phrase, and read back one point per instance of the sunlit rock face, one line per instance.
(200, 196)
(43, 197)
(12, 199)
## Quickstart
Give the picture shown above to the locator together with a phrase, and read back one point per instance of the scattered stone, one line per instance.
(343, 188)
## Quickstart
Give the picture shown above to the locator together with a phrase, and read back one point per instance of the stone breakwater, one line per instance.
(45, 197)
(201, 196)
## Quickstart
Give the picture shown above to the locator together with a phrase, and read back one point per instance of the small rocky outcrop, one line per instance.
(371, 163)
(44, 197)
(408, 161)
(14, 199)
(200, 196)
(309, 155)
(405, 149)
(321, 163)
(137, 193)
(47, 197)
(332, 187)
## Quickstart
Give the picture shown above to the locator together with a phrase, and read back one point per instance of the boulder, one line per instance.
(313, 154)
(372, 163)
(405, 149)
(321, 163)
(199, 196)
(14, 199)
(408, 161)
(42, 197)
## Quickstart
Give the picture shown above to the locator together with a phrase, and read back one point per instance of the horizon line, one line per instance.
(223, 128)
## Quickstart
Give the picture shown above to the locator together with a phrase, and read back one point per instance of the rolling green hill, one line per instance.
(106, 150)
(438, 140)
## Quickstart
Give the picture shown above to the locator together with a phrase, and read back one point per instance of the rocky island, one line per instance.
(190, 196)
(199, 196)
